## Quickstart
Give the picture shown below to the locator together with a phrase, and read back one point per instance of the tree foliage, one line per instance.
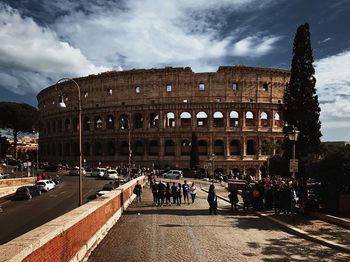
(19, 117)
(194, 160)
(301, 107)
(4, 145)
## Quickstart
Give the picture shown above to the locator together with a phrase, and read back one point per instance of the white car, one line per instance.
(111, 174)
(45, 185)
(173, 174)
(75, 171)
(99, 172)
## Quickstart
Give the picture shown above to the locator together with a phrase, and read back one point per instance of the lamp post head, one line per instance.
(292, 133)
(61, 103)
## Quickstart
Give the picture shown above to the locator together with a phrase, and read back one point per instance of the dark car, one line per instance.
(107, 188)
(27, 192)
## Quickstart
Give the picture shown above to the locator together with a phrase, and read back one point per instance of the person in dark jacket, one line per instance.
(233, 196)
(138, 191)
(212, 200)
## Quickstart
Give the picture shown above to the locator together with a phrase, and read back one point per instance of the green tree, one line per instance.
(4, 145)
(20, 118)
(301, 107)
(194, 160)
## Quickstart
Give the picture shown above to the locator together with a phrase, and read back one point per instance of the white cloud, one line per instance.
(333, 88)
(254, 46)
(324, 40)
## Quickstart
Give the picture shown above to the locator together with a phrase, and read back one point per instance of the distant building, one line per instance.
(235, 112)
(336, 143)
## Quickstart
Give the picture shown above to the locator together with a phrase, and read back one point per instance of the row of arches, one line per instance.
(156, 147)
(152, 120)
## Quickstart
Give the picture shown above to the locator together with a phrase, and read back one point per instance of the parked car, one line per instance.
(75, 171)
(106, 189)
(27, 192)
(173, 174)
(111, 174)
(45, 185)
(99, 172)
(57, 179)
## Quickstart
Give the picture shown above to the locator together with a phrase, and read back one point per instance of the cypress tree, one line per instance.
(301, 107)
(194, 160)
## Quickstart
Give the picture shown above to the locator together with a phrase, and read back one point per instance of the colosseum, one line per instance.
(234, 112)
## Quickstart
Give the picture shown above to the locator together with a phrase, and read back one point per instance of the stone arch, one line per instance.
(124, 121)
(153, 148)
(218, 119)
(169, 148)
(97, 149)
(276, 119)
(98, 122)
(219, 147)
(236, 173)
(75, 124)
(249, 119)
(154, 120)
(264, 119)
(266, 147)
(124, 148)
(185, 119)
(234, 119)
(138, 121)
(110, 121)
(235, 147)
(251, 147)
(86, 149)
(139, 148)
(86, 123)
(202, 147)
(170, 119)
(202, 119)
(185, 147)
(250, 172)
(110, 148)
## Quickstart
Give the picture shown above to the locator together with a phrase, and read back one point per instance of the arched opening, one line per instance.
(110, 148)
(278, 147)
(185, 119)
(264, 119)
(75, 124)
(202, 148)
(266, 148)
(139, 148)
(249, 119)
(234, 119)
(153, 149)
(169, 148)
(97, 149)
(86, 123)
(235, 148)
(98, 122)
(110, 122)
(235, 173)
(138, 121)
(219, 147)
(251, 149)
(218, 119)
(124, 148)
(67, 125)
(59, 125)
(185, 147)
(277, 121)
(170, 119)
(86, 149)
(153, 120)
(250, 172)
(202, 119)
(124, 122)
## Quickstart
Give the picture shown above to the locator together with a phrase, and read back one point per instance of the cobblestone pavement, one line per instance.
(188, 233)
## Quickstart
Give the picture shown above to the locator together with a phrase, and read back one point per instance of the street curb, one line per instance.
(297, 231)
(332, 219)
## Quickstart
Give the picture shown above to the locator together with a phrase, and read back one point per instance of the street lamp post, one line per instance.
(293, 134)
(212, 164)
(125, 122)
(62, 104)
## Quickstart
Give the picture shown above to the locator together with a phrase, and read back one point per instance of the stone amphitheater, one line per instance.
(235, 113)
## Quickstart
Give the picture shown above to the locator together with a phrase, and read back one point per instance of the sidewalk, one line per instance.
(311, 227)
(187, 233)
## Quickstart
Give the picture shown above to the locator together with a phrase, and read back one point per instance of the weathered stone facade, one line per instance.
(234, 113)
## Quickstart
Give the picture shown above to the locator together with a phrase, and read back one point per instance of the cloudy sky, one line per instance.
(42, 41)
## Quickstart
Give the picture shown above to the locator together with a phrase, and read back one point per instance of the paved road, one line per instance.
(188, 233)
(19, 217)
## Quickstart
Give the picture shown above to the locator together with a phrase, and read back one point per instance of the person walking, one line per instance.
(179, 194)
(174, 193)
(186, 191)
(212, 200)
(167, 194)
(138, 191)
(193, 191)
(233, 196)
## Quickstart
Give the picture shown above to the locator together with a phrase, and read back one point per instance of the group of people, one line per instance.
(266, 195)
(166, 194)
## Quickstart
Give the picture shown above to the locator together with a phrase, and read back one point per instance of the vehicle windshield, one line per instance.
(22, 189)
(41, 183)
